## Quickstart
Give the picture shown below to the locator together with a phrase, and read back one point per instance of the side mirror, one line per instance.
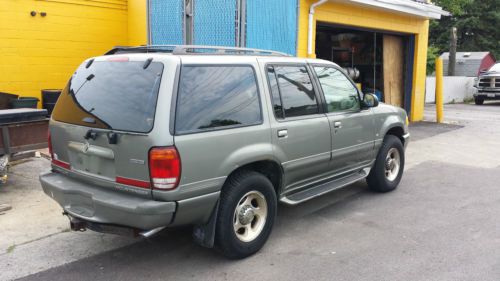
(370, 100)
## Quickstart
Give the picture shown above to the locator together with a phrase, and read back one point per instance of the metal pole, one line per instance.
(6, 140)
(148, 19)
(375, 63)
(439, 90)
(453, 52)
(241, 23)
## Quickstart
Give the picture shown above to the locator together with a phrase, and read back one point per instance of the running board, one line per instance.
(315, 191)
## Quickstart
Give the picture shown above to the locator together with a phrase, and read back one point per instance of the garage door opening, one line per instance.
(380, 63)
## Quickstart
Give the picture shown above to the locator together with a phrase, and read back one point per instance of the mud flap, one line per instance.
(204, 235)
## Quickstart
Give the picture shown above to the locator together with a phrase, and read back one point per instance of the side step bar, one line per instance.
(318, 190)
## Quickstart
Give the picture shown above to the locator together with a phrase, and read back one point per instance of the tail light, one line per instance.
(164, 167)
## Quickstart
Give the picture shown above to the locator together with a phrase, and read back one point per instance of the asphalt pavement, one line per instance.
(440, 224)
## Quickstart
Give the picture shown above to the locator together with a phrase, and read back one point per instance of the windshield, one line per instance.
(495, 68)
(111, 95)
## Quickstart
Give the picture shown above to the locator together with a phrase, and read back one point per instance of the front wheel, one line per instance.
(389, 165)
(478, 101)
(246, 214)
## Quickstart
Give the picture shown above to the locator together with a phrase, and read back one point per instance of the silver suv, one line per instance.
(150, 137)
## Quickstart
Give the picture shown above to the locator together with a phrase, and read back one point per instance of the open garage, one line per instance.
(379, 62)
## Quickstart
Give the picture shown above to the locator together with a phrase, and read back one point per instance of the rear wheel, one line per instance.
(389, 165)
(478, 101)
(246, 214)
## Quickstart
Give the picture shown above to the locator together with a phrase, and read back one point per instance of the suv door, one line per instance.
(352, 127)
(300, 131)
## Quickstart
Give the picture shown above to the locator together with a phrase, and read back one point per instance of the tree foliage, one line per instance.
(477, 23)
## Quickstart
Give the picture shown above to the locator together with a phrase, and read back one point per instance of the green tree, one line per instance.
(479, 28)
(432, 54)
(477, 23)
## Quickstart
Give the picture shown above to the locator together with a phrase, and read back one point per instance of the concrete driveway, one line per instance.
(441, 224)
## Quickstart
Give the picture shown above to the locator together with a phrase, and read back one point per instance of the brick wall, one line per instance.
(42, 52)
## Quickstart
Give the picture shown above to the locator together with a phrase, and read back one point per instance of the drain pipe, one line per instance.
(310, 30)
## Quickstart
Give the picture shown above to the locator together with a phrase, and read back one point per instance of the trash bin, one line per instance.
(5, 99)
(24, 102)
(49, 99)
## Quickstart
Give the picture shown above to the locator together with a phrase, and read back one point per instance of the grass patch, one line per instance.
(11, 249)
(469, 100)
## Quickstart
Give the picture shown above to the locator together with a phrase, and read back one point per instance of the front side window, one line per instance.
(340, 93)
(295, 89)
(212, 97)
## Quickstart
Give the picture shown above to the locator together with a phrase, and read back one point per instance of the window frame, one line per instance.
(319, 99)
(358, 91)
(175, 100)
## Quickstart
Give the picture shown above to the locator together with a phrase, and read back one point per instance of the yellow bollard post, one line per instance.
(439, 90)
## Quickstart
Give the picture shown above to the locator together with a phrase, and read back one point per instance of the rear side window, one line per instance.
(275, 94)
(111, 95)
(296, 92)
(213, 97)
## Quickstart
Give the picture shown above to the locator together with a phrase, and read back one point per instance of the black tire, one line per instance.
(377, 179)
(478, 101)
(236, 187)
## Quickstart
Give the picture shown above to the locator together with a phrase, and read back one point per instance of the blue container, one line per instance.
(24, 102)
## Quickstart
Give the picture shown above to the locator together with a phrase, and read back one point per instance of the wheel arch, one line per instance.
(271, 169)
(393, 124)
(204, 235)
(397, 131)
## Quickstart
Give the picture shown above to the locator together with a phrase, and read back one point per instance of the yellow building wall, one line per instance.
(137, 22)
(357, 16)
(42, 52)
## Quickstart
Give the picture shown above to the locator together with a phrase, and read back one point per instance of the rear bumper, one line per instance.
(101, 206)
(97, 205)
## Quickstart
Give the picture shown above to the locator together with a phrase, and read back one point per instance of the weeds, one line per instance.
(11, 249)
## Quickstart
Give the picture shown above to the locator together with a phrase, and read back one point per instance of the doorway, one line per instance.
(379, 62)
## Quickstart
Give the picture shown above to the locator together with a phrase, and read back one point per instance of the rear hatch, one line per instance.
(105, 122)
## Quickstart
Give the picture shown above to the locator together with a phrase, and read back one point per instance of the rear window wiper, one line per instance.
(147, 63)
(90, 77)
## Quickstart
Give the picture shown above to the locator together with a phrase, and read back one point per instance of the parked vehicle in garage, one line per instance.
(150, 137)
(488, 85)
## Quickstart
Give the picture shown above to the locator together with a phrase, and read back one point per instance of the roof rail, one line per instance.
(140, 49)
(194, 50)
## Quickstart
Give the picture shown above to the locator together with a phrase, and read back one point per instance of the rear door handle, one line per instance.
(282, 133)
(337, 125)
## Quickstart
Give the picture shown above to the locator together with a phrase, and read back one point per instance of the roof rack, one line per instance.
(193, 50)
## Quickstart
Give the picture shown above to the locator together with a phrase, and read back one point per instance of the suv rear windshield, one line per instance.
(117, 95)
